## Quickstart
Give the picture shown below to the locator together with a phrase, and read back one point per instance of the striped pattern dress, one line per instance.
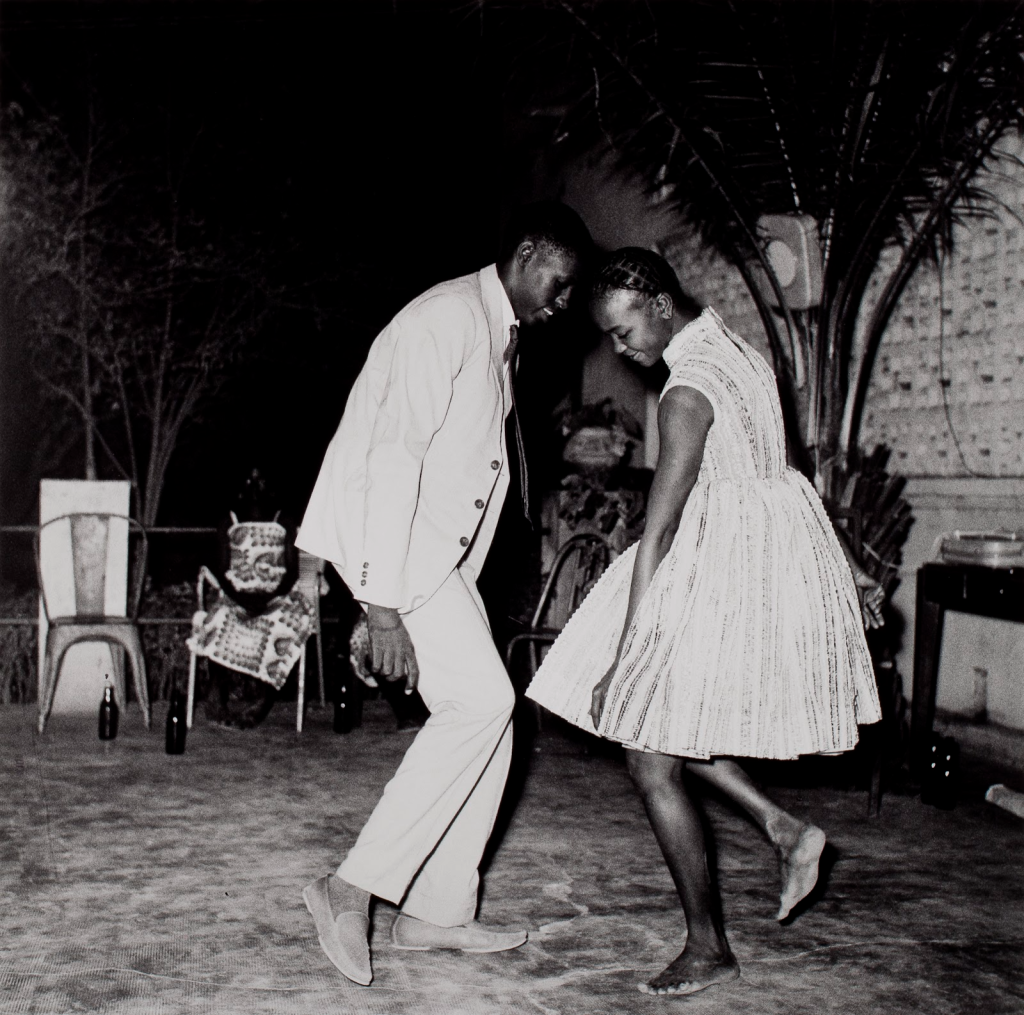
(749, 641)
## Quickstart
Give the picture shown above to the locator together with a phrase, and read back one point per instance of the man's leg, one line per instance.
(442, 800)
(445, 890)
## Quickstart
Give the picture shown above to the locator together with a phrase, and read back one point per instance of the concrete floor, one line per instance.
(138, 883)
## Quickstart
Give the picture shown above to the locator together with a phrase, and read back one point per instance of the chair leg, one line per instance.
(132, 643)
(117, 673)
(191, 689)
(538, 712)
(531, 640)
(875, 791)
(302, 691)
(320, 666)
(876, 744)
(48, 678)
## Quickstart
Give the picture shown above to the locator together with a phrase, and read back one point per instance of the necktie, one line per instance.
(511, 357)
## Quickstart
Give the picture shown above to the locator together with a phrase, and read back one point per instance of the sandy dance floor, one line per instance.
(138, 883)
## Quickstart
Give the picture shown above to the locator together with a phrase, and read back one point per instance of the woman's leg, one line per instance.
(797, 844)
(706, 958)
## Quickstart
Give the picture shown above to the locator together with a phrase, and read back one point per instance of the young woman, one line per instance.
(732, 628)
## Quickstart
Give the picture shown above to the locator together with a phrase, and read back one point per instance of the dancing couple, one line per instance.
(732, 629)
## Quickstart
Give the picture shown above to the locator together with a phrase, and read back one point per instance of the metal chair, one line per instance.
(89, 538)
(580, 561)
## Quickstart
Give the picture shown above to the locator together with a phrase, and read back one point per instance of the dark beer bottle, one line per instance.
(108, 713)
(347, 705)
(176, 725)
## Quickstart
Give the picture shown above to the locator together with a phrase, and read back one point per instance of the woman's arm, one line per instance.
(684, 419)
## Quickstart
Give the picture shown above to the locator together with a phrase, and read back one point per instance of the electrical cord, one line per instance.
(943, 384)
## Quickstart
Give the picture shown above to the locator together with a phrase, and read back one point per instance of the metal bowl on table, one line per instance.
(983, 549)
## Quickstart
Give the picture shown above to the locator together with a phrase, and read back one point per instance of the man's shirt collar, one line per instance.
(508, 315)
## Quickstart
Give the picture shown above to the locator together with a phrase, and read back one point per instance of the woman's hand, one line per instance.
(684, 418)
(600, 693)
(872, 598)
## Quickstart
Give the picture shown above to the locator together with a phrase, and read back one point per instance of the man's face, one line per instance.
(547, 277)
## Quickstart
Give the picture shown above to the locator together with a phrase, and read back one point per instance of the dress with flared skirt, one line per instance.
(749, 641)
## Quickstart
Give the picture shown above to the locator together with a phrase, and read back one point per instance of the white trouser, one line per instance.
(424, 839)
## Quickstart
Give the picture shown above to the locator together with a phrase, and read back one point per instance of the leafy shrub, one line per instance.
(18, 649)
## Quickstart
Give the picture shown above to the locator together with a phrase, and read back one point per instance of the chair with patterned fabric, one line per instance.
(266, 645)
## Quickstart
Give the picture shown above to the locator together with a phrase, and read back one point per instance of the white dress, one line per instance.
(749, 641)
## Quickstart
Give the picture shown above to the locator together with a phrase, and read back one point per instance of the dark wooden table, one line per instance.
(984, 591)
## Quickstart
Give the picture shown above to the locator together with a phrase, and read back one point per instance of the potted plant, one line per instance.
(599, 491)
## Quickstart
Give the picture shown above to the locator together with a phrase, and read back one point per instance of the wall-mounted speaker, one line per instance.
(792, 249)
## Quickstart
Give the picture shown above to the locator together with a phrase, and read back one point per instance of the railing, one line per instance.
(154, 530)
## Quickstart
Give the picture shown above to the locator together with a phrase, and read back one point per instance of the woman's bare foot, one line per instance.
(799, 847)
(690, 972)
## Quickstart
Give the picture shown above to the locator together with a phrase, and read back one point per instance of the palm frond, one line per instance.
(874, 118)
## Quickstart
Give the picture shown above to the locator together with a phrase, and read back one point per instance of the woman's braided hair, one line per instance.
(642, 271)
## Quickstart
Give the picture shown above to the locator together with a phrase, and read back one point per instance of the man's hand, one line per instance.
(600, 693)
(391, 651)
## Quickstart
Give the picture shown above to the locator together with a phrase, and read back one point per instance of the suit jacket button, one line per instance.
(479, 503)
(495, 464)
(464, 541)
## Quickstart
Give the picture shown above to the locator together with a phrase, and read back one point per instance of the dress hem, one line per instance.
(694, 755)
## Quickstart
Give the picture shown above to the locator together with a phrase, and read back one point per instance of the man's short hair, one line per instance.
(550, 222)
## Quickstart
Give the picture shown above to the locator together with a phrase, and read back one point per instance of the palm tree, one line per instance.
(872, 118)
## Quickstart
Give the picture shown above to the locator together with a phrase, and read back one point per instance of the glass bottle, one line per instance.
(108, 713)
(345, 718)
(176, 724)
(939, 781)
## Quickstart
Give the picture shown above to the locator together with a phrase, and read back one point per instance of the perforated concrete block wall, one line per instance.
(953, 351)
(947, 392)
(713, 281)
(954, 345)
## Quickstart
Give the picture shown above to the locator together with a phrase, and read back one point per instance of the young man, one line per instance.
(405, 507)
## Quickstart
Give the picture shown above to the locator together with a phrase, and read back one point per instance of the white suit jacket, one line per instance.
(415, 476)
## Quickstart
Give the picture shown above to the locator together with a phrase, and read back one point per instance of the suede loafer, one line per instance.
(415, 935)
(344, 938)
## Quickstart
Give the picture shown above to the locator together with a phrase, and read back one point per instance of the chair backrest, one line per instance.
(311, 569)
(89, 537)
(257, 556)
(580, 561)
